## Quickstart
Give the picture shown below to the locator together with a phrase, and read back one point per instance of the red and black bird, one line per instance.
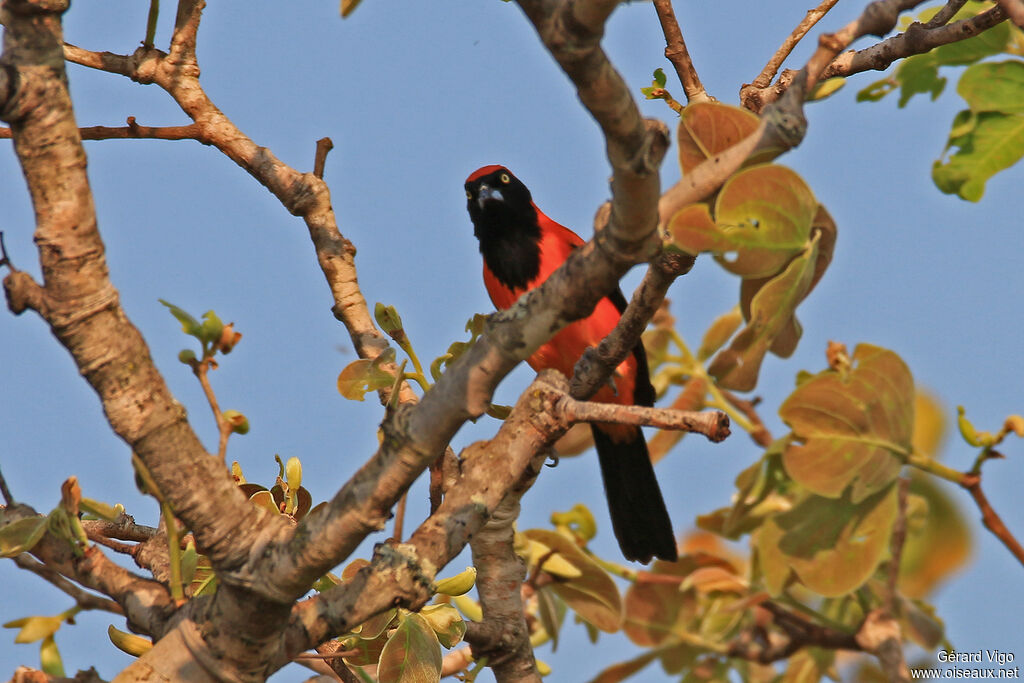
(521, 248)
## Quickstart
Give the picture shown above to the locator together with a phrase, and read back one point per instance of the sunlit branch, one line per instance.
(676, 52)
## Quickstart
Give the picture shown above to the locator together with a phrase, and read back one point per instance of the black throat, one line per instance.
(508, 229)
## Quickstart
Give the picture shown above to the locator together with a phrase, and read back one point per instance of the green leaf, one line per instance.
(551, 612)
(412, 654)
(211, 329)
(771, 312)
(189, 562)
(763, 218)
(361, 376)
(994, 86)
(99, 509)
(659, 77)
(919, 74)
(826, 88)
(49, 658)
(656, 611)
(877, 90)
(995, 142)
(448, 625)
(189, 325)
(593, 594)
(21, 536)
(390, 322)
(833, 545)
(129, 643)
(35, 628)
(721, 331)
(853, 428)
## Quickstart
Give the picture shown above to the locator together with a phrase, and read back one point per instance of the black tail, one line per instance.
(639, 518)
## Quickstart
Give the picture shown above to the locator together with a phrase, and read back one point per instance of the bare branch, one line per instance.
(676, 52)
(133, 131)
(992, 521)
(8, 498)
(597, 365)
(917, 39)
(82, 598)
(712, 424)
(323, 146)
(947, 12)
(812, 17)
(83, 310)
(799, 633)
(503, 636)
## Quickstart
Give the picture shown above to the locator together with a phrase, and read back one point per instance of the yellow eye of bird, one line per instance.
(469, 195)
(504, 178)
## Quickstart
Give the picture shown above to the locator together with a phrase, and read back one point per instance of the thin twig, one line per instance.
(899, 536)
(992, 521)
(134, 131)
(201, 370)
(813, 16)
(676, 52)
(83, 598)
(8, 498)
(323, 146)
(400, 516)
(947, 12)
(799, 633)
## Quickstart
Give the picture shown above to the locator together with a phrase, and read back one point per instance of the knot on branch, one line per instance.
(31, 7)
(411, 575)
(146, 62)
(24, 293)
(878, 18)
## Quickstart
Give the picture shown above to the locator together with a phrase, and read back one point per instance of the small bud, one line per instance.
(293, 474)
(459, 584)
(187, 356)
(228, 338)
(239, 422)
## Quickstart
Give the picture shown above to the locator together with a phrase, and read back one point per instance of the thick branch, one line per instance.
(503, 637)
(917, 39)
(82, 306)
(1014, 9)
(571, 31)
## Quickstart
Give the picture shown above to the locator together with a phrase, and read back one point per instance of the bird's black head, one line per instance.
(505, 221)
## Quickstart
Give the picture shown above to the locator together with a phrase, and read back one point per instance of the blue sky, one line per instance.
(415, 96)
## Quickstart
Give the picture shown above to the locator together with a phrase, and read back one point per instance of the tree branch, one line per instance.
(676, 52)
(133, 131)
(992, 521)
(917, 39)
(82, 598)
(1014, 9)
(503, 637)
(812, 17)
